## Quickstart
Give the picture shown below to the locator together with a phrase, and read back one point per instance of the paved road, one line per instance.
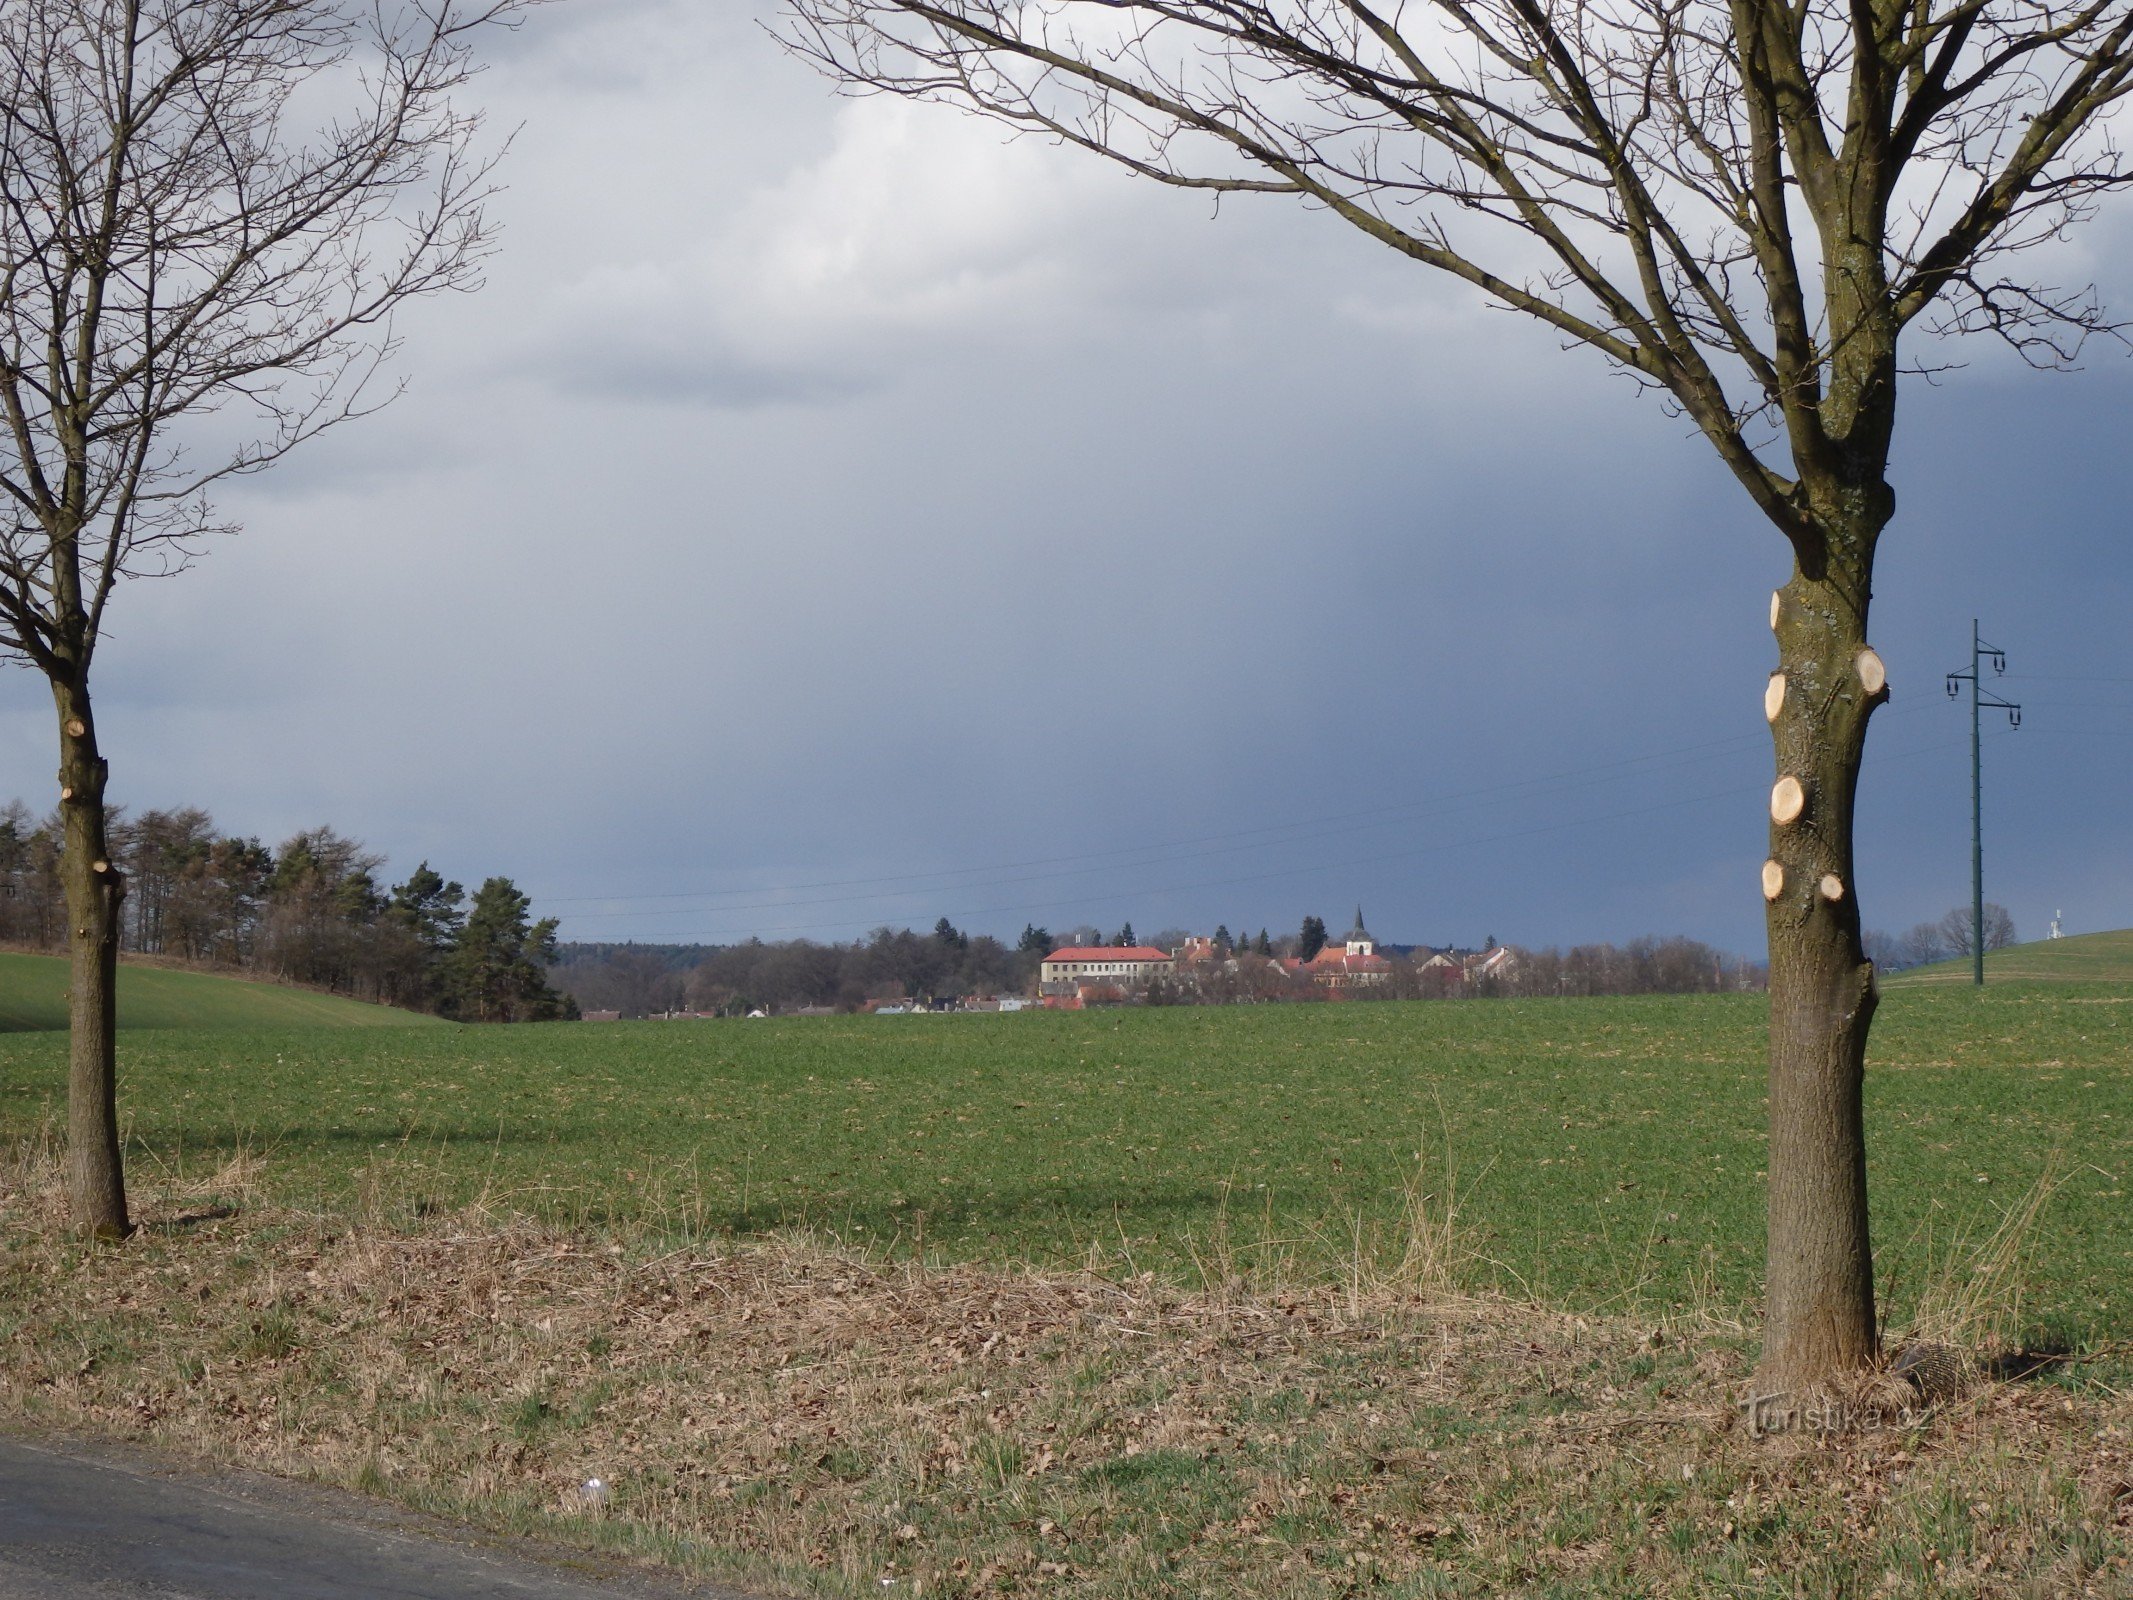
(89, 1522)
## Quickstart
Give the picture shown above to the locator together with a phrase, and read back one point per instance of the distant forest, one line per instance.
(313, 910)
(644, 980)
(896, 965)
(316, 910)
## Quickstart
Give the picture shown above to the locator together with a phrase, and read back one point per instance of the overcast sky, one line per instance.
(834, 513)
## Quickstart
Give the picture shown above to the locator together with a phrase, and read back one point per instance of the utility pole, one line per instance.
(1979, 650)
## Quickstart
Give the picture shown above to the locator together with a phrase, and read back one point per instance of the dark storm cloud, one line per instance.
(827, 490)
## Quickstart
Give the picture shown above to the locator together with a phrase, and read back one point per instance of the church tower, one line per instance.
(1359, 941)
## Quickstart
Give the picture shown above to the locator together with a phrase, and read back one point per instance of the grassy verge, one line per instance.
(802, 1415)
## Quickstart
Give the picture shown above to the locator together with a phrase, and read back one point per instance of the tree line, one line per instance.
(1642, 966)
(314, 910)
(645, 980)
(1943, 940)
(949, 964)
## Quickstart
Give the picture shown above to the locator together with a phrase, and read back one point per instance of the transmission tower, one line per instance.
(1979, 702)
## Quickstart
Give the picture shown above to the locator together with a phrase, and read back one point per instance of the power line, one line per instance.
(1139, 857)
(1392, 812)
(1261, 877)
(1416, 811)
(714, 935)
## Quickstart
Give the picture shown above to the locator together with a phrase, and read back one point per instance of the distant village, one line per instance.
(1211, 970)
(983, 975)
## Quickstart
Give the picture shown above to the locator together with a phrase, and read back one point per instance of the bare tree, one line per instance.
(1924, 945)
(209, 212)
(1747, 204)
(1958, 929)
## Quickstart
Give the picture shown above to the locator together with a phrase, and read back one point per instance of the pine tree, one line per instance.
(1125, 937)
(422, 918)
(1311, 939)
(430, 906)
(496, 970)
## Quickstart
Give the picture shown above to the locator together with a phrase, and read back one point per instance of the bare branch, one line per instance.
(188, 253)
(1744, 202)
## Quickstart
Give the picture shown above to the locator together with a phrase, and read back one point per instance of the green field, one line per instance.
(33, 999)
(1606, 1153)
(2084, 958)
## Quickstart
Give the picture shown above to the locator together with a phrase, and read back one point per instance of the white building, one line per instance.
(1128, 966)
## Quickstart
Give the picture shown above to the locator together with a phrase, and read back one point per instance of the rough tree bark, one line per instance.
(1819, 1314)
(96, 1182)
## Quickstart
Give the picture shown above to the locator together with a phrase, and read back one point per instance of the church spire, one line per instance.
(1359, 941)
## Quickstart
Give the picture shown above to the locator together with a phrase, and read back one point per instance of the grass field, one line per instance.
(33, 999)
(472, 1268)
(1605, 1153)
(2083, 958)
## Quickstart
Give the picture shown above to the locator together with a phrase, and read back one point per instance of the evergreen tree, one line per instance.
(1222, 939)
(421, 920)
(322, 899)
(1311, 939)
(1035, 941)
(496, 970)
(1264, 946)
(1125, 937)
(949, 936)
(429, 906)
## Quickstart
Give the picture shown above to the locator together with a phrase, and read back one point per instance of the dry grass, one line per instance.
(1975, 1288)
(798, 1415)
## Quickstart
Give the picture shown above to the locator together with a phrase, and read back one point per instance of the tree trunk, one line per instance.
(1819, 1320)
(96, 1182)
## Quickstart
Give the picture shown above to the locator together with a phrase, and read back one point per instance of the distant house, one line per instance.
(1495, 962)
(1126, 967)
(1352, 964)
(599, 1016)
(1442, 972)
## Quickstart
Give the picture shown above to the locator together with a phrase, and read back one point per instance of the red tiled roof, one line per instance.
(1337, 956)
(1104, 952)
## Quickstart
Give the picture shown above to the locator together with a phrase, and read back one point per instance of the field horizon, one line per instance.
(33, 989)
(2105, 957)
